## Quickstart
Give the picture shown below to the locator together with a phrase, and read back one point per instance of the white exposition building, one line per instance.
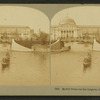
(68, 28)
(12, 31)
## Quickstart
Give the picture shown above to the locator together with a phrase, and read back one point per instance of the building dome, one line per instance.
(68, 20)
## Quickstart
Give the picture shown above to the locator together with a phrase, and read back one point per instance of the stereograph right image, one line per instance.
(75, 47)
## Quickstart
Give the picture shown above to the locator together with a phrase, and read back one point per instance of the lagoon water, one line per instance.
(67, 67)
(26, 68)
(33, 69)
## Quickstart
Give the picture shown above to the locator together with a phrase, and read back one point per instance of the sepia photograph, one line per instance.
(24, 47)
(49, 49)
(75, 47)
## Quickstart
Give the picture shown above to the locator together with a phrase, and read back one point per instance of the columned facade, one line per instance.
(15, 32)
(67, 28)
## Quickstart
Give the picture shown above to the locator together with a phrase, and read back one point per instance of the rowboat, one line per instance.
(86, 64)
(6, 60)
(5, 64)
(87, 61)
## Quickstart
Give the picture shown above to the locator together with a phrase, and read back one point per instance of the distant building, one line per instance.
(15, 31)
(68, 28)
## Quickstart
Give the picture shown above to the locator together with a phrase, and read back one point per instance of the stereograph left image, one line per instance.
(24, 47)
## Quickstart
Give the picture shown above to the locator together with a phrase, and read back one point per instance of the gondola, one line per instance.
(87, 61)
(5, 64)
(87, 64)
(6, 60)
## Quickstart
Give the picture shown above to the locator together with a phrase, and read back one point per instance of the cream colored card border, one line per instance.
(50, 10)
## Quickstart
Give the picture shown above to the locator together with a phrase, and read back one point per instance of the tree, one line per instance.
(43, 38)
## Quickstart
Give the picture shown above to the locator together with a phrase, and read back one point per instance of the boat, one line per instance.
(57, 46)
(17, 47)
(86, 64)
(5, 64)
(96, 45)
(87, 60)
(63, 49)
(6, 60)
(60, 46)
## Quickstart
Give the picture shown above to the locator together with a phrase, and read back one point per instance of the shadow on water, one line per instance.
(42, 59)
(41, 55)
(86, 68)
(4, 68)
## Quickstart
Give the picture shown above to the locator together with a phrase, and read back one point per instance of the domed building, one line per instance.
(68, 20)
(66, 28)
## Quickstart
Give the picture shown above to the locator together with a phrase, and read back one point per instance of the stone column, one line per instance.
(75, 32)
(65, 33)
(59, 34)
(68, 32)
(72, 33)
(54, 34)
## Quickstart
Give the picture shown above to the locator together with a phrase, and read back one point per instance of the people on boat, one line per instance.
(89, 56)
(7, 55)
(5, 60)
(89, 53)
(87, 59)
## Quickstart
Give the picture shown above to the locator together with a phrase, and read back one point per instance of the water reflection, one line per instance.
(5, 68)
(41, 55)
(67, 68)
(25, 69)
(85, 68)
(43, 60)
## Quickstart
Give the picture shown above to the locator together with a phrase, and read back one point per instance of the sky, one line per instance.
(15, 15)
(87, 15)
